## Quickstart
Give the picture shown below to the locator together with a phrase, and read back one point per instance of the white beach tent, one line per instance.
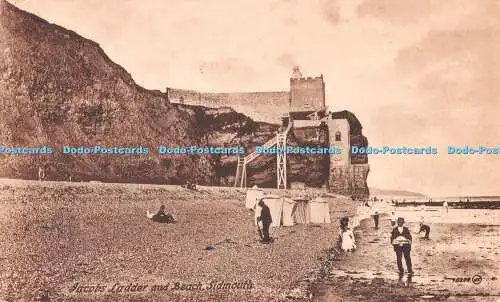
(289, 207)
(275, 207)
(281, 209)
(319, 211)
(275, 204)
(288, 212)
(254, 194)
(301, 210)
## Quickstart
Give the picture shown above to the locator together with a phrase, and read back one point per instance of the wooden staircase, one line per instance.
(280, 140)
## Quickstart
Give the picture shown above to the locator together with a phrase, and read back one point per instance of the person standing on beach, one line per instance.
(348, 243)
(265, 217)
(41, 174)
(393, 219)
(375, 219)
(344, 222)
(445, 206)
(401, 242)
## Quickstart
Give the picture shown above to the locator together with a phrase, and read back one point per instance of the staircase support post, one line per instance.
(281, 160)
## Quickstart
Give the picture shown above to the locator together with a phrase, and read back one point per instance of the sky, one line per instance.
(416, 73)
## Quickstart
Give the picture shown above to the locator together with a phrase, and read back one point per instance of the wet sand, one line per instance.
(454, 251)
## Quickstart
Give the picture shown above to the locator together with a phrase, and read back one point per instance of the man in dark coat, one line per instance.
(401, 242)
(375, 219)
(265, 217)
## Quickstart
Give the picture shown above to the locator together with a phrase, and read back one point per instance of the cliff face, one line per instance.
(225, 127)
(59, 89)
(351, 179)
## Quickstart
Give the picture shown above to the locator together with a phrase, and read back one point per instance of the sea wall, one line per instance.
(260, 106)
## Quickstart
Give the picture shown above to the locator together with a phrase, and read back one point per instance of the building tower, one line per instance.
(296, 74)
(306, 94)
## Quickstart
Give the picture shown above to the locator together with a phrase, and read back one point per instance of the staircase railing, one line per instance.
(243, 161)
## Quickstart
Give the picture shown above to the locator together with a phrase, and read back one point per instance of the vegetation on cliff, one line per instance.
(60, 89)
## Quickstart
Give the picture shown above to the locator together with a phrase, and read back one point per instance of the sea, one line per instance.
(434, 213)
(439, 198)
(440, 215)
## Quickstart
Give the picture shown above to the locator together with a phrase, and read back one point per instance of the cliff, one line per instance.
(225, 127)
(59, 89)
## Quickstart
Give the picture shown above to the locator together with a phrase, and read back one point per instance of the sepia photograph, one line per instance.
(272, 150)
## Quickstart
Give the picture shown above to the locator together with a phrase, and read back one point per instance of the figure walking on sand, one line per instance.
(41, 174)
(401, 241)
(445, 206)
(392, 218)
(266, 218)
(375, 219)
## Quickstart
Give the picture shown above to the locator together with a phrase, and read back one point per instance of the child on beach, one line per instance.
(346, 237)
(393, 219)
(348, 241)
(344, 222)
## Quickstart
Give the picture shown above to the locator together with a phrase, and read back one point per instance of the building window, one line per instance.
(337, 136)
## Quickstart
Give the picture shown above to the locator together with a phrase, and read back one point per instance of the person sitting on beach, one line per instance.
(401, 241)
(161, 216)
(424, 228)
(190, 185)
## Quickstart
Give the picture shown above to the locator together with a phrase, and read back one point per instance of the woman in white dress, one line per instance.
(348, 241)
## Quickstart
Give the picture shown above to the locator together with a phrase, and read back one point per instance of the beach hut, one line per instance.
(282, 210)
(289, 207)
(319, 211)
(275, 204)
(301, 211)
(288, 212)
(254, 194)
